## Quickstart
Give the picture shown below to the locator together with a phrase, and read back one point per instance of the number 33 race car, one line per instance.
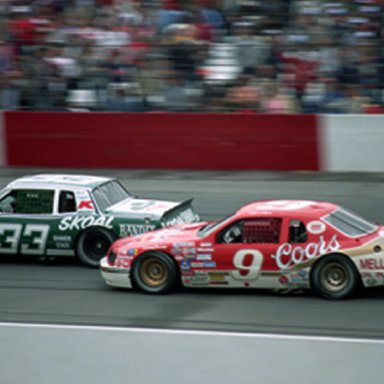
(68, 215)
(268, 244)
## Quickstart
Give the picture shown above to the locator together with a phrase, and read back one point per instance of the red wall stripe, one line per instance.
(162, 140)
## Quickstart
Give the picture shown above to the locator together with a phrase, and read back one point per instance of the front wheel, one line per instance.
(334, 277)
(154, 272)
(93, 245)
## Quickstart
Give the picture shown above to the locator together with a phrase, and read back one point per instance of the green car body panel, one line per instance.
(68, 215)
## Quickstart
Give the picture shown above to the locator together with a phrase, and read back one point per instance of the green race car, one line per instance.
(68, 215)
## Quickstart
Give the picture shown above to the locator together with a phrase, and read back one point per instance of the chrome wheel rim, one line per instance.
(334, 277)
(153, 272)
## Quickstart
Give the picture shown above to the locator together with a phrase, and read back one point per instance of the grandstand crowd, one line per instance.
(250, 56)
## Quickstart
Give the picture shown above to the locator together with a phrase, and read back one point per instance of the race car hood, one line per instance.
(169, 212)
(167, 236)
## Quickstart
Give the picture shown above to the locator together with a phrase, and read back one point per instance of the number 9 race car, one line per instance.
(68, 215)
(277, 244)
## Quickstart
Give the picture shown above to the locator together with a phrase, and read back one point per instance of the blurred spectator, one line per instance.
(269, 56)
(278, 100)
(244, 95)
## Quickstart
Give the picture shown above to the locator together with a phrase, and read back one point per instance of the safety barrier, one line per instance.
(192, 141)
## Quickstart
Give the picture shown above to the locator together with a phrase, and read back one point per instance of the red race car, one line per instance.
(276, 244)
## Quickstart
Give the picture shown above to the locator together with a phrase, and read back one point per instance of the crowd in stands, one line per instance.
(250, 56)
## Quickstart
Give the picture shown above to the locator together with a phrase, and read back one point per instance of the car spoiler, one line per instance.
(182, 213)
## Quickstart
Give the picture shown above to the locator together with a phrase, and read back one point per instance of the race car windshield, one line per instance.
(109, 194)
(211, 227)
(349, 223)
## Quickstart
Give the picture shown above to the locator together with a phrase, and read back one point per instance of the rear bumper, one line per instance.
(115, 277)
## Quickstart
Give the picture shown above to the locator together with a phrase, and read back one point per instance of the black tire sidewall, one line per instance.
(347, 291)
(163, 288)
(80, 246)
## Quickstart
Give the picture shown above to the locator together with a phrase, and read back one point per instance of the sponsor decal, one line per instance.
(82, 195)
(135, 229)
(203, 256)
(205, 250)
(316, 227)
(217, 277)
(61, 245)
(184, 265)
(288, 255)
(211, 264)
(299, 279)
(61, 238)
(133, 251)
(184, 244)
(85, 205)
(179, 258)
(380, 275)
(200, 279)
(186, 252)
(188, 273)
(374, 264)
(206, 245)
(70, 223)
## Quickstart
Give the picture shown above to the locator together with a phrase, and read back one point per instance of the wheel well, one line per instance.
(338, 254)
(89, 229)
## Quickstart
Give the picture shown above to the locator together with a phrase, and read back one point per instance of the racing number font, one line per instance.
(248, 263)
(34, 238)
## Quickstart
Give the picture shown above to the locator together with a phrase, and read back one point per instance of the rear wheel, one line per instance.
(154, 272)
(334, 277)
(93, 245)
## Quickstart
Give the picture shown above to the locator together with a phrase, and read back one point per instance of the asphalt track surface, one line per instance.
(63, 292)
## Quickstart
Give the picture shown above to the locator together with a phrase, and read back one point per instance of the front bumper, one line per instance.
(115, 277)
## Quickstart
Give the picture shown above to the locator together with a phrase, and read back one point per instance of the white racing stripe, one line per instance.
(191, 332)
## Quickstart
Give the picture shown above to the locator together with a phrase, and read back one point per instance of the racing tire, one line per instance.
(92, 245)
(154, 272)
(334, 277)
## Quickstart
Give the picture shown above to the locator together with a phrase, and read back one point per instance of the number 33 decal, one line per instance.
(248, 262)
(34, 235)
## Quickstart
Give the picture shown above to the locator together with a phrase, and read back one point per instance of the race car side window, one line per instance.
(256, 231)
(262, 230)
(67, 202)
(8, 203)
(297, 232)
(31, 201)
(232, 234)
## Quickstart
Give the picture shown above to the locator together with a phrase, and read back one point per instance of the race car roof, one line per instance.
(58, 180)
(288, 208)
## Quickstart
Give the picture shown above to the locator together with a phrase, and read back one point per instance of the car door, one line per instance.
(245, 248)
(25, 221)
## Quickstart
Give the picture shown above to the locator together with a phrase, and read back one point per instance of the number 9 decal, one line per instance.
(248, 262)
